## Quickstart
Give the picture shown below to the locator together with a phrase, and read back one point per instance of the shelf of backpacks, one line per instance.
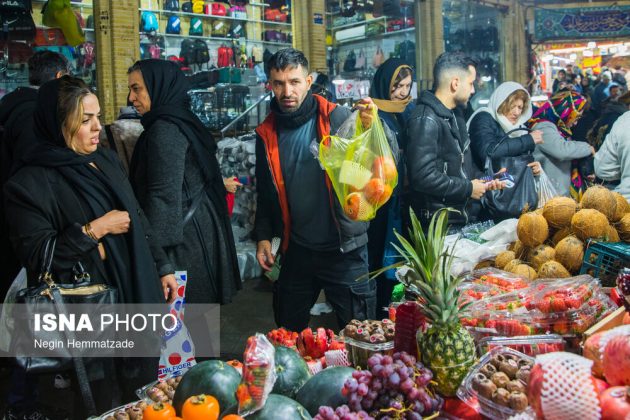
(203, 15)
(216, 38)
(359, 23)
(72, 3)
(377, 36)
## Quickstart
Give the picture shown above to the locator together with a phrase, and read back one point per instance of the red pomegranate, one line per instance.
(616, 361)
(615, 403)
(591, 352)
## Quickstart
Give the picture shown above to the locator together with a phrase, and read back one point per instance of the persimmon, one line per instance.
(232, 417)
(159, 411)
(201, 407)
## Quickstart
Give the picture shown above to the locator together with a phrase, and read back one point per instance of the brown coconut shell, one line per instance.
(613, 235)
(601, 199)
(589, 223)
(532, 229)
(503, 258)
(540, 255)
(525, 271)
(509, 267)
(569, 253)
(559, 210)
(520, 250)
(622, 208)
(553, 270)
(483, 264)
(560, 235)
(623, 227)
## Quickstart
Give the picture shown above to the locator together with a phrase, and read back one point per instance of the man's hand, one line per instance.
(366, 107)
(169, 285)
(479, 189)
(495, 184)
(264, 256)
(536, 168)
(231, 184)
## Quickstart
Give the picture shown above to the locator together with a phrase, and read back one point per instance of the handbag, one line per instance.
(510, 202)
(79, 290)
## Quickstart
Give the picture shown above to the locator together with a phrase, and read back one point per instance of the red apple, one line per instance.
(384, 167)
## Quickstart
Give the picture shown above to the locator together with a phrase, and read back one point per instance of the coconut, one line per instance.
(532, 229)
(560, 235)
(569, 253)
(623, 227)
(553, 270)
(525, 271)
(540, 255)
(622, 207)
(503, 258)
(520, 250)
(509, 267)
(539, 211)
(613, 235)
(589, 223)
(483, 264)
(600, 198)
(559, 210)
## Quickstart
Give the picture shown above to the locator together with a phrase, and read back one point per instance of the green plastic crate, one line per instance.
(604, 260)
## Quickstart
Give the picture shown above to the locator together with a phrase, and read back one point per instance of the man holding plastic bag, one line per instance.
(321, 246)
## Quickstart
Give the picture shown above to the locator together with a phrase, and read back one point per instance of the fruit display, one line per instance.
(409, 319)
(313, 344)
(259, 374)
(132, 411)
(324, 389)
(568, 306)
(291, 372)
(391, 387)
(364, 338)
(498, 383)
(283, 337)
(160, 391)
(529, 345)
(210, 377)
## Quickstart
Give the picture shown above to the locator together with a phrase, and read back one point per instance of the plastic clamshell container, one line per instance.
(359, 352)
(485, 406)
(531, 345)
(111, 414)
(473, 292)
(143, 393)
(492, 276)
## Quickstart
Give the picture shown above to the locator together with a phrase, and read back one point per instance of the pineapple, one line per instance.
(446, 347)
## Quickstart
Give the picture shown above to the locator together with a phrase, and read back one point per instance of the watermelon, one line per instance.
(276, 407)
(291, 371)
(324, 389)
(211, 377)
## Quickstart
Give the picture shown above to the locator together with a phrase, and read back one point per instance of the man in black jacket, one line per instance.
(440, 168)
(321, 247)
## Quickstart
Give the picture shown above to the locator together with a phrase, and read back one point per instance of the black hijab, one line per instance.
(167, 87)
(129, 265)
(381, 87)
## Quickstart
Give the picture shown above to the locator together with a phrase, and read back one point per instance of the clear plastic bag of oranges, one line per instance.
(361, 167)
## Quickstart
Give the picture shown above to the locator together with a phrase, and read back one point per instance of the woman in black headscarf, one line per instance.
(176, 177)
(391, 92)
(73, 190)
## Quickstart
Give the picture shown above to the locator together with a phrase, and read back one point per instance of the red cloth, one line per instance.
(229, 198)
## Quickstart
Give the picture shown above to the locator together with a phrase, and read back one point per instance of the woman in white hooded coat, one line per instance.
(509, 107)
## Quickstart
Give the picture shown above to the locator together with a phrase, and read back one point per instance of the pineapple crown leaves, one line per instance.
(431, 264)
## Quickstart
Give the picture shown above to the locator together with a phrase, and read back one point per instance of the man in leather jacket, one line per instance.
(440, 168)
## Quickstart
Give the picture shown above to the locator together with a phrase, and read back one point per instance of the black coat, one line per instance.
(40, 203)
(485, 133)
(439, 162)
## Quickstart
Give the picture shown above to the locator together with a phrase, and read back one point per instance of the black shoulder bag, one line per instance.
(510, 202)
(35, 299)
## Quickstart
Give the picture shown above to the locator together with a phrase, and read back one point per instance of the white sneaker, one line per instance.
(321, 308)
(61, 381)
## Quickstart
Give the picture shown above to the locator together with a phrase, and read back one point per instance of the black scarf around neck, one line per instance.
(297, 118)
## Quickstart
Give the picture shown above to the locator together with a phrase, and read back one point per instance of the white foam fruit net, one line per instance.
(336, 358)
(609, 335)
(567, 392)
(315, 366)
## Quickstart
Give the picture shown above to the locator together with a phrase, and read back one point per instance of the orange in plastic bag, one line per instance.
(361, 167)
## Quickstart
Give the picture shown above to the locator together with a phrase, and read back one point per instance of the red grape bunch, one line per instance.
(392, 387)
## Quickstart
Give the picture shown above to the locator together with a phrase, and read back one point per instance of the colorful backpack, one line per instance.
(187, 51)
(174, 25)
(149, 22)
(171, 5)
(202, 54)
(196, 27)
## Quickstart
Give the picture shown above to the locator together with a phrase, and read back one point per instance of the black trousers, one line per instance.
(306, 272)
